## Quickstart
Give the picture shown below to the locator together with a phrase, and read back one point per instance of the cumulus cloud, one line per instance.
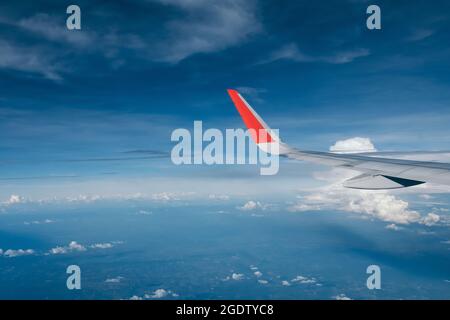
(431, 219)
(341, 297)
(74, 246)
(379, 204)
(160, 293)
(14, 199)
(293, 53)
(353, 145)
(252, 205)
(237, 276)
(157, 294)
(164, 196)
(285, 283)
(11, 253)
(234, 276)
(258, 274)
(393, 226)
(382, 204)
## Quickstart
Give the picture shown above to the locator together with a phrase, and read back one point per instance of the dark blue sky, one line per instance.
(139, 69)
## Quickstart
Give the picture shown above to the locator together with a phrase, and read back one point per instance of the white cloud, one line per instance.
(285, 283)
(87, 198)
(219, 197)
(106, 245)
(14, 199)
(253, 93)
(10, 253)
(114, 280)
(144, 212)
(426, 196)
(46, 221)
(430, 219)
(72, 246)
(157, 294)
(252, 205)
(235, 276)
(353, 145)
(258, 274)
(54, 30)
(206, 27)
(293, 53)
(160, 293)
(378, 204)
(393, 226)
(382, 204)
(29, 59)
(304, 280)
(341, 297)
(303, 207)
(263, 281)
(164, 196)
(420, 34)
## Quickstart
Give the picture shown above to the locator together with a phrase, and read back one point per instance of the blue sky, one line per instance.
(313, 70)
(85, 124)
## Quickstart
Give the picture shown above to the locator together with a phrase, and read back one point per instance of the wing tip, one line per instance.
(232, 92)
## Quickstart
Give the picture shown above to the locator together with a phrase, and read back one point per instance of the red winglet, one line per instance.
(258, 131)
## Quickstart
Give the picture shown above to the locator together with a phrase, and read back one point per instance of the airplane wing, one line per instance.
(374, 172)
